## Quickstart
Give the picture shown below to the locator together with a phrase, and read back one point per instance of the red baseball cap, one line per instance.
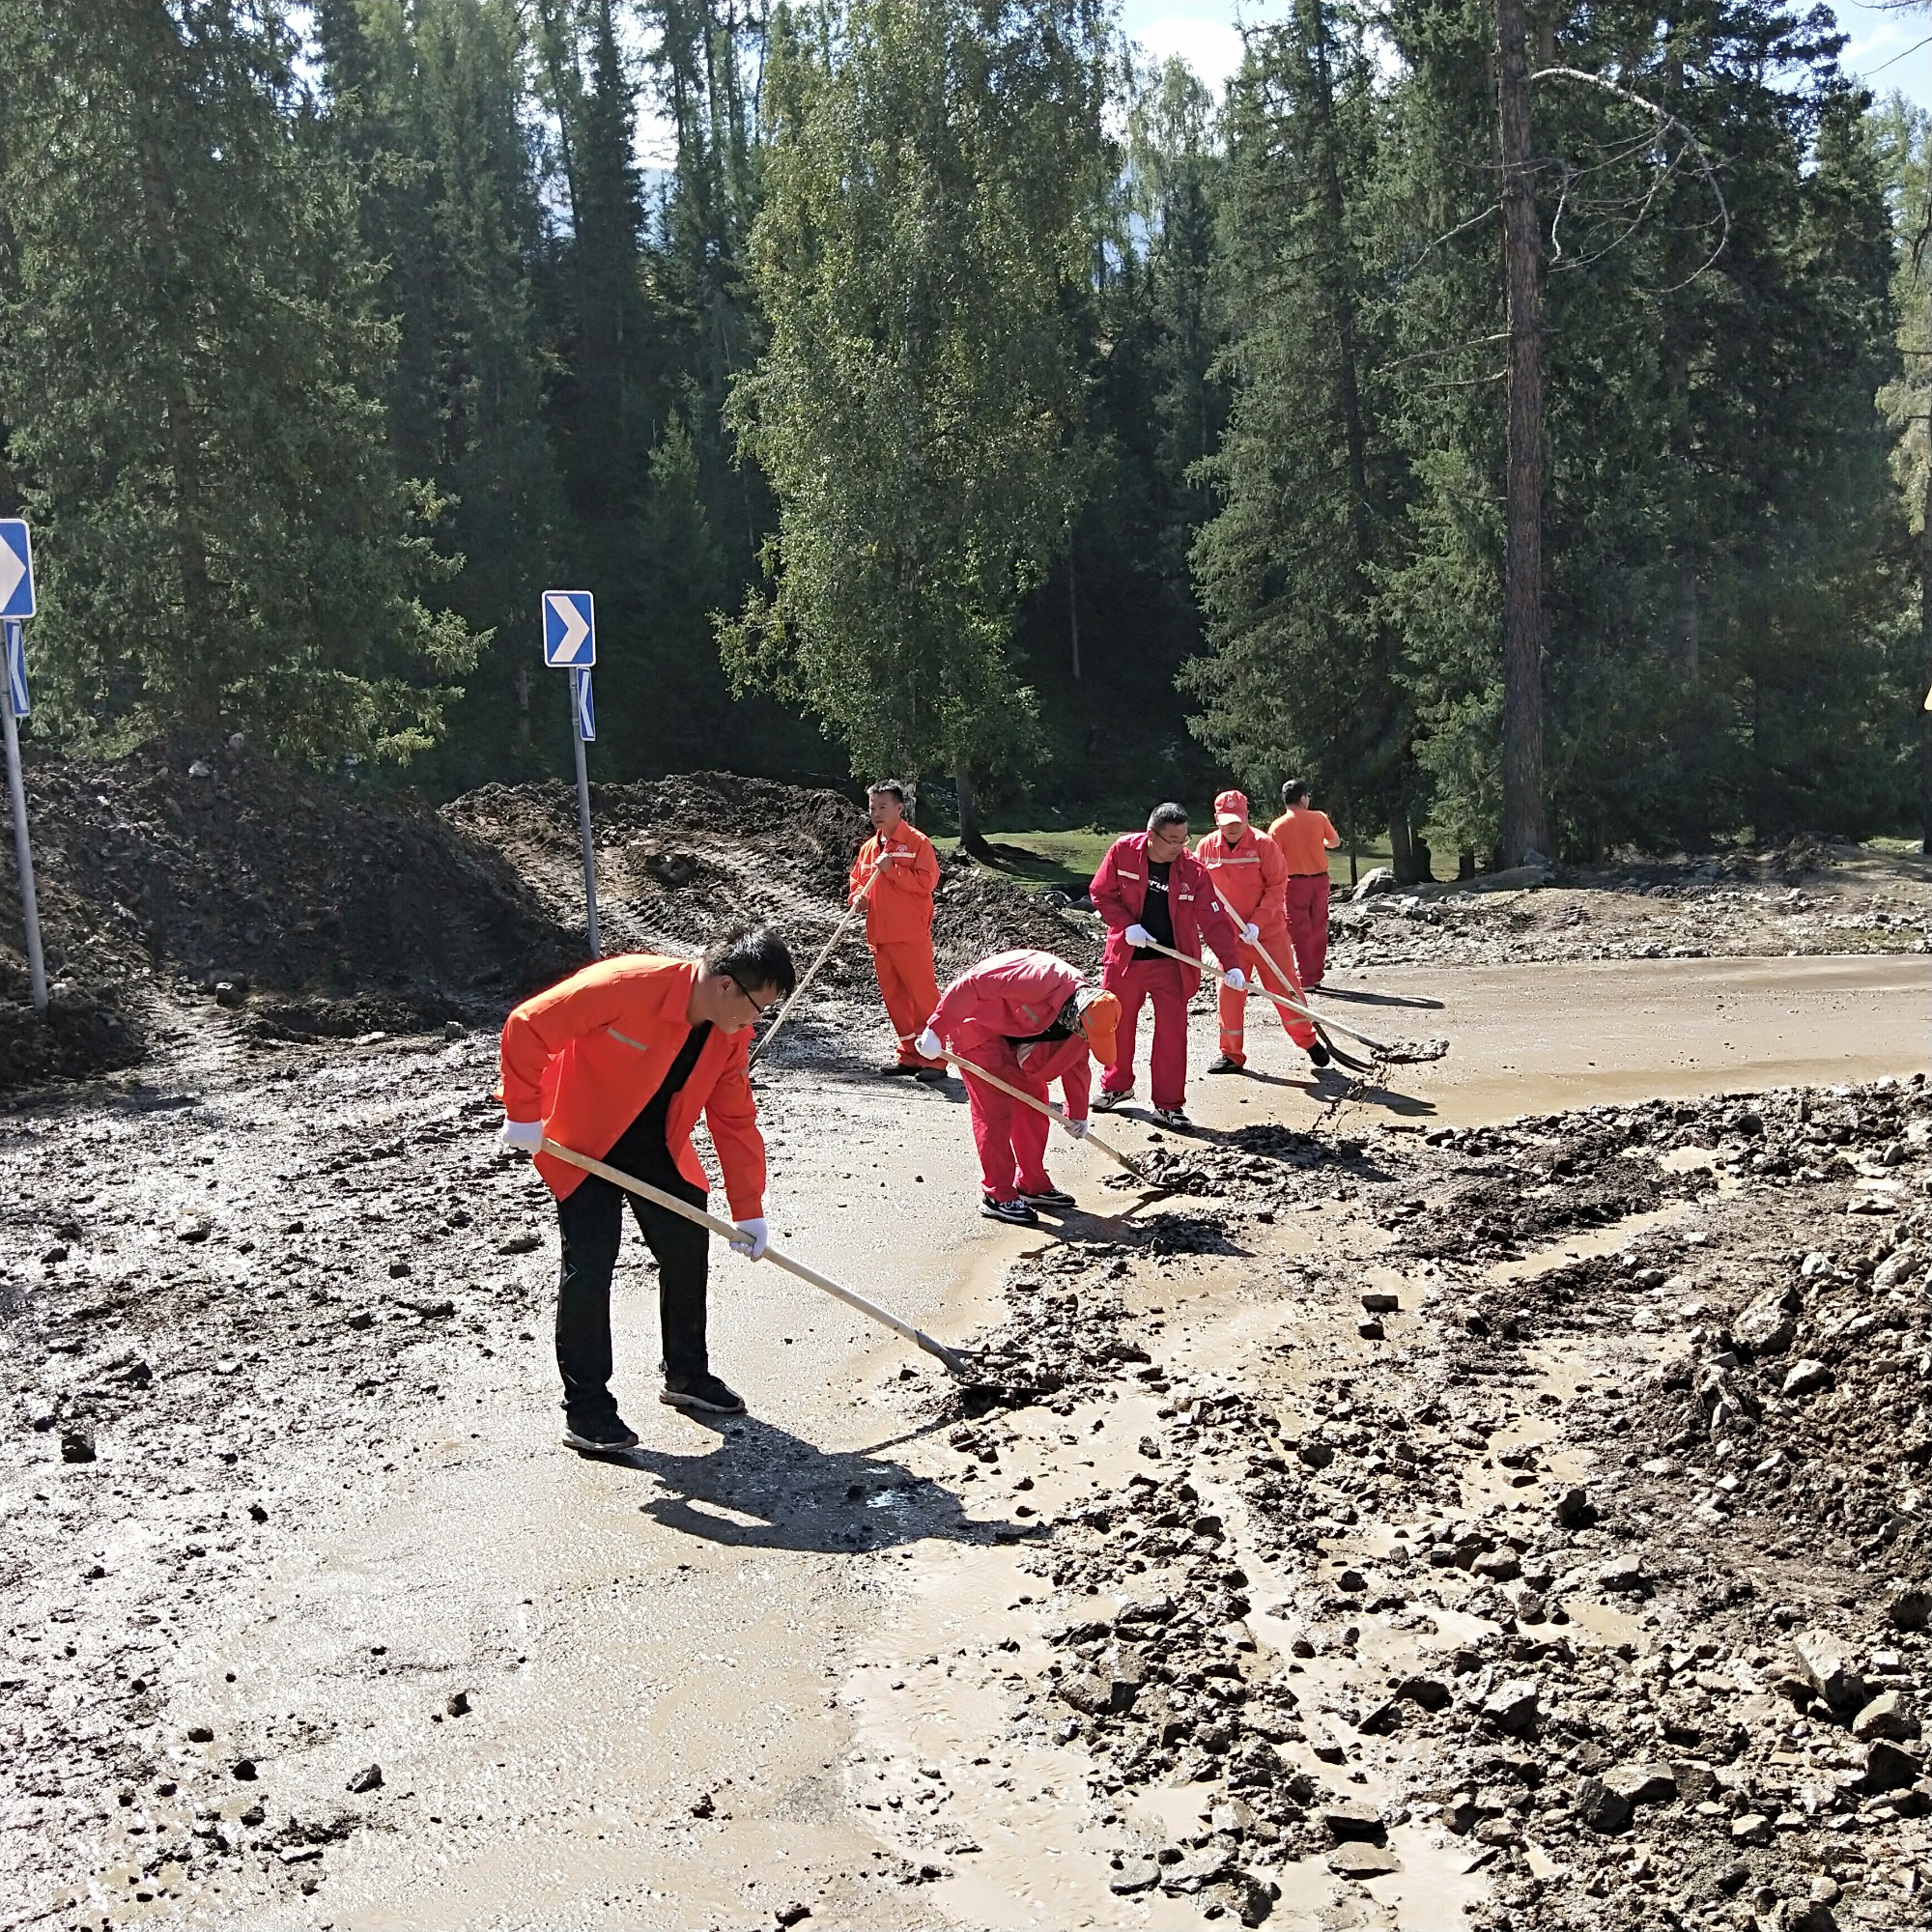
(1231, 808)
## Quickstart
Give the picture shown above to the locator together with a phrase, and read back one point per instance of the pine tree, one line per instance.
(192, 371)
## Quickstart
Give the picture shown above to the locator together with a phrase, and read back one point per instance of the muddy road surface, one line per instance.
(1493, 1498)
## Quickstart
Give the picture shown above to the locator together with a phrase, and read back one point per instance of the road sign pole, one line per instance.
(23, 852)
(583, 823)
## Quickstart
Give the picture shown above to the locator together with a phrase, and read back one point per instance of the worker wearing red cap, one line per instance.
(1251, 881)
(1157, 899)
(1305, 837)
(1029, 1019)
(901, 869)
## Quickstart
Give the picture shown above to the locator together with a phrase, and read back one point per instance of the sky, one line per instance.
(1885, 49)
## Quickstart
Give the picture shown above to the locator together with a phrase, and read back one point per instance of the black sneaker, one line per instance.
(706, 1396)
(1171, 1116)
(929, 1076)
(1221, 1064)
(898, 1070)
(1320, 1054)
(1107, 1100)
(1016, 1212)
(1052, 1197)
(602, 1435)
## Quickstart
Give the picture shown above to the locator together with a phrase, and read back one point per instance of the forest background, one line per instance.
(970, 398)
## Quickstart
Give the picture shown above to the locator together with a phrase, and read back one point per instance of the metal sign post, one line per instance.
(570, 643)
(17, 603)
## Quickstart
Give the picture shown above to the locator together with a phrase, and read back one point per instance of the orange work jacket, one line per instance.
(1250, 879)
(900, 907)
(1306, 839)
(585, 1056)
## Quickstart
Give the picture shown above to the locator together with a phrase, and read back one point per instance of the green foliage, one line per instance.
(192, 362)
(929, 181)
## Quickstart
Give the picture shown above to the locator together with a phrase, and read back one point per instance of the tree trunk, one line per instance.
(971, 837)
(1349, 811)
(1523, 824)
(522, 745)
(1402, 856)
(1073, 607)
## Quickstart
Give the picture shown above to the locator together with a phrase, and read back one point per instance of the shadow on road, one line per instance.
(755, 1486)
(1356, 996)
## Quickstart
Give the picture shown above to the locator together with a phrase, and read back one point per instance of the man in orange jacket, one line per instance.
(1250, 878)
(1305, 839)
(901, 869)
(618, 1061)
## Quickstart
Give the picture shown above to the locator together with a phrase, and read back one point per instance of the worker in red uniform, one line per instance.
(617, 1061)
(1305, 839)
(1029, 1019)
(1150, 888)
(902, 870)
(1250, 879)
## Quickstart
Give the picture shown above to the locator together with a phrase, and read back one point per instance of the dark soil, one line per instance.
(199, 871)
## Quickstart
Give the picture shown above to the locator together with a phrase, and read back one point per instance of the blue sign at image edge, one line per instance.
(17, 569)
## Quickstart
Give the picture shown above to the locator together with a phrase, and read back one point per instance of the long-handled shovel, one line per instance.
(852, 912)
(630, 1185)
(1045, 1107)
(1282, 999)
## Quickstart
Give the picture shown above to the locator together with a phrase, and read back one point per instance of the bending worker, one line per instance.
(618, 1061)
(1251, 879)
(901, 868)
(1305, 839)
(1150, 888)
(1027, 1018)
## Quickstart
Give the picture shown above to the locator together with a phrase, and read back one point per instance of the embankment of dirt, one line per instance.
(199, 871)
(683, 860)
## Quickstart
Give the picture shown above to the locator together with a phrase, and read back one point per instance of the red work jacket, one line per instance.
(1119, 892)
(1009, 996)
(585, 1056)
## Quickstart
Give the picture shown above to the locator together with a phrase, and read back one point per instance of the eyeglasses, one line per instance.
(759, 1007)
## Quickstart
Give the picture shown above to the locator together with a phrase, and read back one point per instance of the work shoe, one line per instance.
(1221, 1064)
(931, 1076)
(600, 1436)
(897, 1068)
(1171, 1116)
(1107, 1100)
(1016, 1214)
(706, 1396)
(1050, 1197)
(1320, 1054)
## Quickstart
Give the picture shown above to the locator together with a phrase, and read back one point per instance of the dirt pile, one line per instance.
(1801, 899)
(683, 860)
(199, 870)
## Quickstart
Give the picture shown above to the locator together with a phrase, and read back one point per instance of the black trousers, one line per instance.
(591, 1218)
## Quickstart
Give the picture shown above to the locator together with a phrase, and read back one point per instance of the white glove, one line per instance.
(752, 1238)
(526, 1136)
(1138, 935)
(1077, 1128)
(1234, 980)
(928, 1045)
(1251, 932)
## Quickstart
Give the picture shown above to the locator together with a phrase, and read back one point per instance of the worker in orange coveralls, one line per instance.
(1028, 1018)
(1306, 839)
(1250, 879)
(902, 868)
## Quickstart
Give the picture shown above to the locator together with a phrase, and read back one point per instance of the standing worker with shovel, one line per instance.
(1156, 896)
(618, 1061)
(1251, 880)
(1027, 1019)
(899, 919)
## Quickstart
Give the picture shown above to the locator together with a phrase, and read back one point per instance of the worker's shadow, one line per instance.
(755, 1486)
(1360, 996)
